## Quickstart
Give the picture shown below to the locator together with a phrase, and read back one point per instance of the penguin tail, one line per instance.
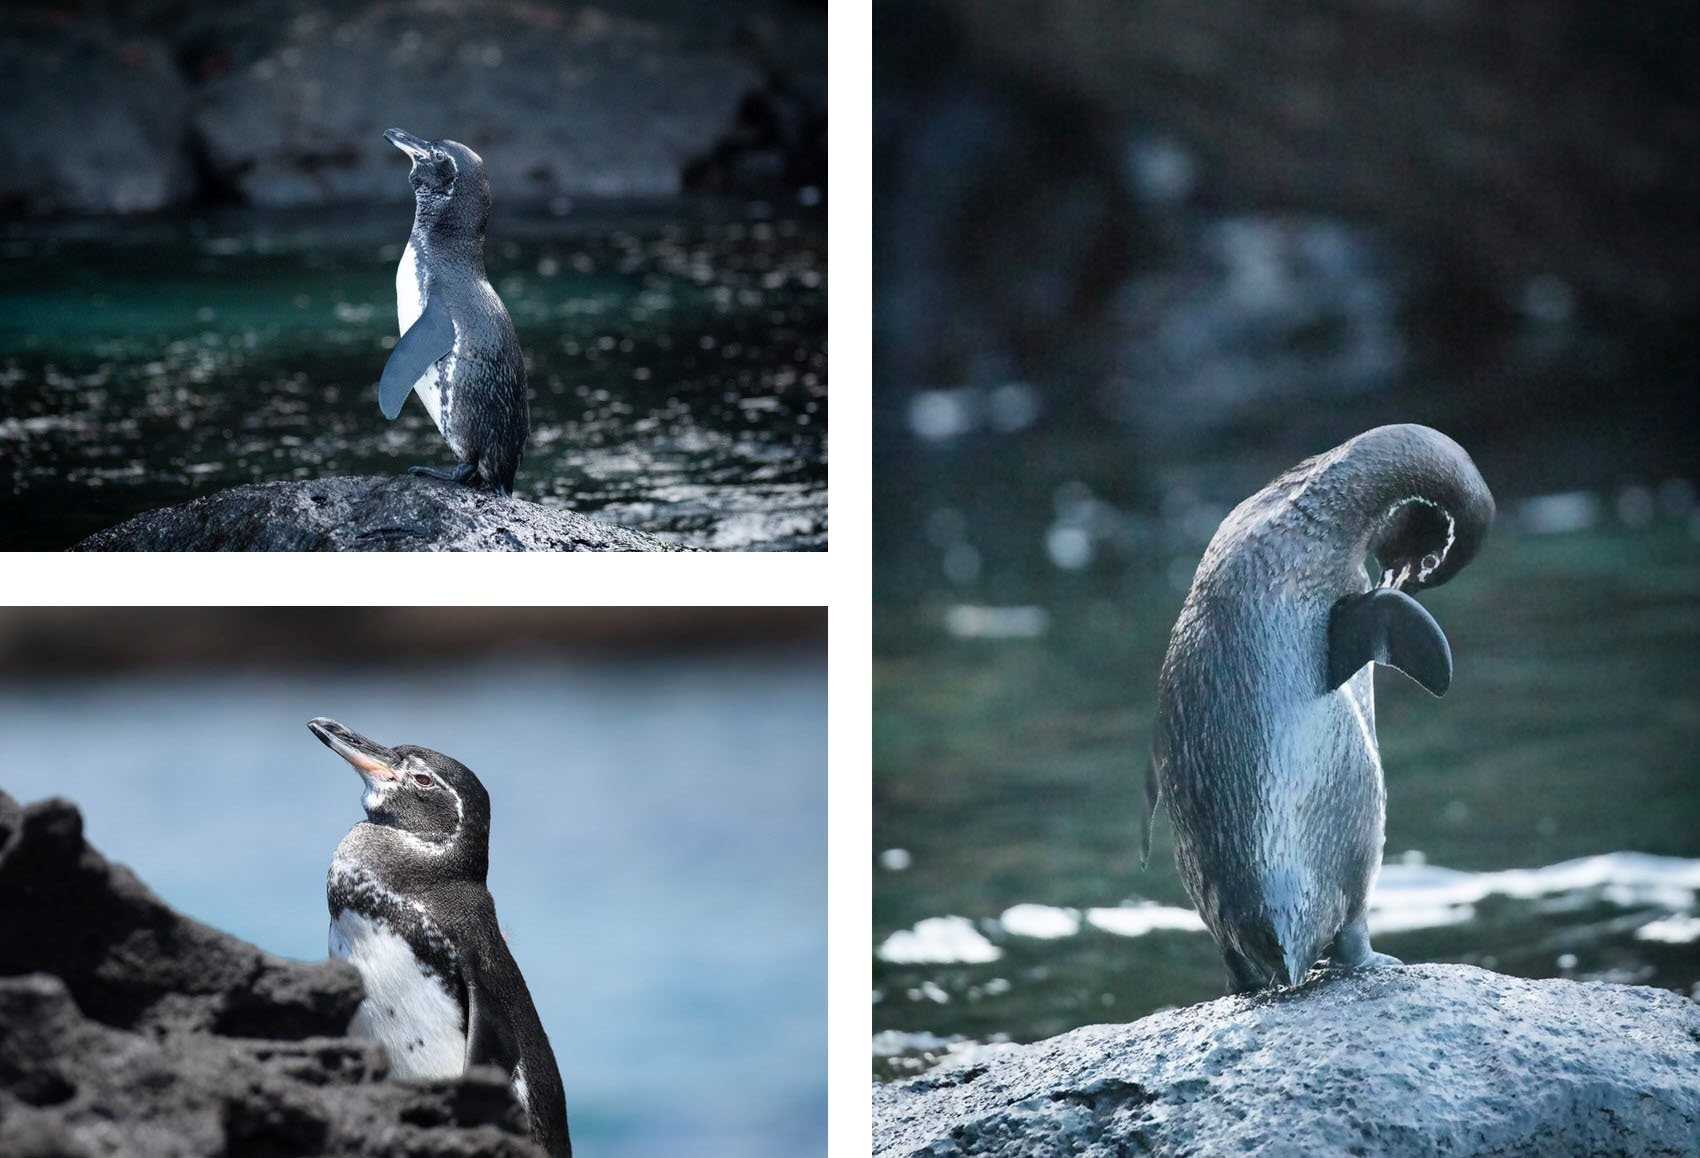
(1293, 967)
(498, 473)
(1153, 794)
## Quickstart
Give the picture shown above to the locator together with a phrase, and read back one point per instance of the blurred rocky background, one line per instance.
(127, 107)
(1113, 239)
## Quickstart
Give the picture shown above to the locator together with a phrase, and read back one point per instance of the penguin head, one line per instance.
(415, 790)
(1436, 526)
(448, 178)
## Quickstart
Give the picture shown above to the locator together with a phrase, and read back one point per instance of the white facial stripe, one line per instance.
(1445, 548)
(377, 791)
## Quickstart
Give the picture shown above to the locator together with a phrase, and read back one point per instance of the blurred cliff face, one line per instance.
(1278, 223)
(38, 641)
(119, 109)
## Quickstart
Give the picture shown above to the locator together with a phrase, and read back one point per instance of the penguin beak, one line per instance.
(372, 760)
(408, 143)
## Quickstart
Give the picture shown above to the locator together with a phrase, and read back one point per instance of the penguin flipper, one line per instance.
(426, 340)
(487, 1041)
(1388, 627)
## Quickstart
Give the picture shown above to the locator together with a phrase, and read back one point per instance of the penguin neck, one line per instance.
(406, 860)
(444, 236)
(1354, 496)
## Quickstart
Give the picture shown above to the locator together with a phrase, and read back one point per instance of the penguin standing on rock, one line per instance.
(457, 350)
(1265, 749)
(410, 911)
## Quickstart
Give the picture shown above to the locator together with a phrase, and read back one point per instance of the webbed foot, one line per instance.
(463, 472)
(1352, 951)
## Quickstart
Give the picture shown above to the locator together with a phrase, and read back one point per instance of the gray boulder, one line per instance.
(390, 513)
(126, 1028)
(96, 121)
(591, 99)
(1423, 1060)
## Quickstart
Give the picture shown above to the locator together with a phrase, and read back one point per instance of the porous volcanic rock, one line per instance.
(127, 1028)
(391, 513)
(1422, 1060)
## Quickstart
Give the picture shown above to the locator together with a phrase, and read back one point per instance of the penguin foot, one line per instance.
(1369, 961)
(1352, 951)
(463, 472)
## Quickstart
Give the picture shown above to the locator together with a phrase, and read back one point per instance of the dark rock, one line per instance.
(96, 122)
(391, 513)
(776, 143)
(1427, 1059)
(283, 102)
(126, 1028)
(610, 99)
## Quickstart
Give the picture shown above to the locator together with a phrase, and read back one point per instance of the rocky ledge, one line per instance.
(1423, 1060)
(126, 1028)
(395, 513)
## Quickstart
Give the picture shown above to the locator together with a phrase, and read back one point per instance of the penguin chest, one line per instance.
(434, 387)
(410, 1008)
(409, 290)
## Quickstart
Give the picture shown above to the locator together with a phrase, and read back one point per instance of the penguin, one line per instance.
(457, 350)
(1265, 749)
(410, 910)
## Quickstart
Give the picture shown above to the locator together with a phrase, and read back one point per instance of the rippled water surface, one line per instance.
(1543, 818)
(676, 356)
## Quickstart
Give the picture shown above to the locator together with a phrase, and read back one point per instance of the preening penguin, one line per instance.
(458, 350)
(410, 910)
(1265, 748)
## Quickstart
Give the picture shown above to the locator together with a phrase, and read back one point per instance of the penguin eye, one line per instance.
(1430, 562)
(423, 781)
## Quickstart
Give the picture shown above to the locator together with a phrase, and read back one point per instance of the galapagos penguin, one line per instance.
(1265, 748)
(410, 910)
(458, 350)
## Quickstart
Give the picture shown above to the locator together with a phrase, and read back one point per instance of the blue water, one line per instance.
(657, 855)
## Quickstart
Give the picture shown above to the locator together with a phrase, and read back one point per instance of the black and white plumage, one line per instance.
(1265, 749)
(410, 910)
(457, 351)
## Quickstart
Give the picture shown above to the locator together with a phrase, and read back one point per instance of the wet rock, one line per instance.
(393, 513)
(127, 1028)
(96, 121)
(1427, 1059)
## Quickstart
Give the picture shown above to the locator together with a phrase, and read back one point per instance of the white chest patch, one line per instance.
(409, 297)
(406, 1010)
(433, 385)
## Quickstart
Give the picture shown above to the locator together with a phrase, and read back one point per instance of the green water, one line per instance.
(676, 360)
(1011, 770)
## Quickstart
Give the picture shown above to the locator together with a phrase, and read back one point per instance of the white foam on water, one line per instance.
(939, 941)
(1676, 929)
(1046, 922)
(1409, 894)
(1624, 877)
(1145, 917)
